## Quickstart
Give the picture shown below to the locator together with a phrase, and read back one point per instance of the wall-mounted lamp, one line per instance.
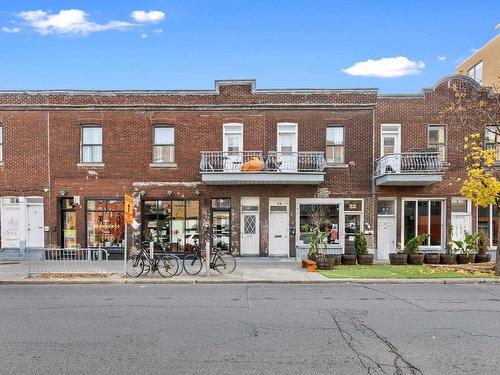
(142, 193)
(62, 193)
(197, 192)
(170, 193)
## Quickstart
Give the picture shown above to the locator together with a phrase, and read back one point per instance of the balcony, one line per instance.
(419, 168)
(253, 167)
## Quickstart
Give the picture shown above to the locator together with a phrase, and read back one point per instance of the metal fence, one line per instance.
(409, 162)
(71, 261)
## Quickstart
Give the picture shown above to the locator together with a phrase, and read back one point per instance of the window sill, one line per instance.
(338, 166)
(163, 165)
(90, 165)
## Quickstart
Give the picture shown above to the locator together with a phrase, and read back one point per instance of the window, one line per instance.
(476, 73)
(386, 207)
(105, 225)
(437, 140)
(1, 144)
(423, 216)
(91, 144)
(459, 205)
(172, 224)
(163, 144)
(487, 222)
(492, 139)
(327, 214)
(390, 139)
(335, 144)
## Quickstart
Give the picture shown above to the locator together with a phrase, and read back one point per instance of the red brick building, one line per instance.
(239, 167)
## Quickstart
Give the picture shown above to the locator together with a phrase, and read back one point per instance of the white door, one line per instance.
(287, 147)
(386, 236)
(233, 147)
(10, 221)
(249, 226)
(391, 148)
(278, 227)
(35, 235)
(461, 220)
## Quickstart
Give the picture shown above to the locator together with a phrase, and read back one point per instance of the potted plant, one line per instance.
(449, 257)
(317, 240)
(412, 246)
(467, 249)
(317, 236)
(483, 247)
(362, 249)
(398, 258)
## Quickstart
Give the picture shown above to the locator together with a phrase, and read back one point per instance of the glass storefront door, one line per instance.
(221, 223)
(68, 223)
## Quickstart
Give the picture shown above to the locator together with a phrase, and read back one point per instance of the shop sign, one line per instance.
(129, 209)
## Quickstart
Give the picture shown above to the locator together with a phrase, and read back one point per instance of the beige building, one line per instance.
(484, 64)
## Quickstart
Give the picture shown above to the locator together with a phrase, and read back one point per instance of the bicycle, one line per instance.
(222, 262)
(142, 263)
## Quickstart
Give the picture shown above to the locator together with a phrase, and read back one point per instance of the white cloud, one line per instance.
(68, 21)
(388, 67)
(157, 31)
(11, 30)
(474, 50)
(142, 16)
(144, 35)
(497, 27)
(441, 58)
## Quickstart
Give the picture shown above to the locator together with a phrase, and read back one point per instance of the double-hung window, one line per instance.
(476, 73)
(91, 144)
(335, 144)
(164, 144)
(437, 140)
(492, 139)
(1, 144)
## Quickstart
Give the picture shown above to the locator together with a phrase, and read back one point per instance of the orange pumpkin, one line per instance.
(253, 165)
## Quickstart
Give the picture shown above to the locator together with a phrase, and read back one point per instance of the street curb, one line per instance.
(467, 281)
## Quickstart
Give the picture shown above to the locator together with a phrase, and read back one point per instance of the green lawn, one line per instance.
(386, 271)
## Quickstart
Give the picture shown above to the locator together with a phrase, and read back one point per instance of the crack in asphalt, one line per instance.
(398, 298)
(370, 362)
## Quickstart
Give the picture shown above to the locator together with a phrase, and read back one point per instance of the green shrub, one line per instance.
(360, 244)
(414, 243)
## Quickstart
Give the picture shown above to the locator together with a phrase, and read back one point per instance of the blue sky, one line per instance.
(187, 44)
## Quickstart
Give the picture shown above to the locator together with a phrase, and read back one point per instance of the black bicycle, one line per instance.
(221, 261)
(142, 263)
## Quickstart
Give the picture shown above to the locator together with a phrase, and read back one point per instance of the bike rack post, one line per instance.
(207, 258)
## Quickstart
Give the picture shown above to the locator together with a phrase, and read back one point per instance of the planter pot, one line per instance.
(324, 263)
(311, 257)
(482, 258)
(365, 259)
(398, 259)
(337, 258)
(432, 258)
(465, 259)
(416, 259)
(349, 259)
(448, 259)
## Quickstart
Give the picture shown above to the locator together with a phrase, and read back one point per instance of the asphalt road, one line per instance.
(254, 329)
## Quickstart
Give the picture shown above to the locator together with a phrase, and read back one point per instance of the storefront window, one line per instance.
(221, 224)
(487, 222)
(429, 219)
(172, 224)
(105, 226)
(68, 223)
(386, 207)
(324, 215)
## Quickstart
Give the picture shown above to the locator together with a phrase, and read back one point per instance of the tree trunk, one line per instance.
(497, 264)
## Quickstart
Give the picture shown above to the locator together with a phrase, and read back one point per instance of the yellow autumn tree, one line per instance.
(468, 109)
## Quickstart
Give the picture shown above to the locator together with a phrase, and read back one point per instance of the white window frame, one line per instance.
(82, 145)
(163, 126)
(226, 132)
(397, 148)
(496, 133)
(443, 221)
(332, 162)
(473, 72)
(443, 126)
(490, 224)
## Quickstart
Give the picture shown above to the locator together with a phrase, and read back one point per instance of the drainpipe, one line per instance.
(374, 204)
(49, 195)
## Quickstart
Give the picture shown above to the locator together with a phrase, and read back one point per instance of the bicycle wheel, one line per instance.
(192, 264)
(224, 263)
(168, 266)
(179, 261)
(135, 266)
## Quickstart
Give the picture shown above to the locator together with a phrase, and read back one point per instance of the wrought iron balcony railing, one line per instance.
(273, 162)
(419, 162)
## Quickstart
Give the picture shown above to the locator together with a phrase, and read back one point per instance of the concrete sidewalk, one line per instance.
(247, 271)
